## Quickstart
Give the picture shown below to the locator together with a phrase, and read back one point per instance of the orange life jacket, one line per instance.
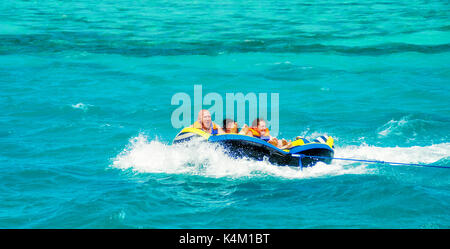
(257, 134)
(214, 131)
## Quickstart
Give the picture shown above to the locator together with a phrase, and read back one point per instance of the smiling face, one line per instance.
(261, 127)
(204, 117)
(230, 127)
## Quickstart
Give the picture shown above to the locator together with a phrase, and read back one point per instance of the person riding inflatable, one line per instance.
(260, 131)
(204, 123)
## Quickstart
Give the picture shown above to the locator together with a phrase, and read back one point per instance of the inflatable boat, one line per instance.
(303, 153)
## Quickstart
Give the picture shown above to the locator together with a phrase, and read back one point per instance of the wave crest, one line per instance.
(205, 159)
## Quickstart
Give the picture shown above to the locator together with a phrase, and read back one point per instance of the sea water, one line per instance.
(85, 112)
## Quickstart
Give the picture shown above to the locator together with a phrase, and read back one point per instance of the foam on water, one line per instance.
(78, 82)
(81, 106)
(152, 156)
(415, 154)
(209, 160)
(392, 126)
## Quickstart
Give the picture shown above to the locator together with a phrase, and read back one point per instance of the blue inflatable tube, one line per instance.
(242, 146)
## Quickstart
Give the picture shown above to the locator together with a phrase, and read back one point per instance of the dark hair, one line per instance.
(257, 121)
(226, 121)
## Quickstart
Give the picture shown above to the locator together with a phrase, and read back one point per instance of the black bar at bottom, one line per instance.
(223, 238)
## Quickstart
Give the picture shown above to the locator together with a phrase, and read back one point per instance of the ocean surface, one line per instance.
(85, 112)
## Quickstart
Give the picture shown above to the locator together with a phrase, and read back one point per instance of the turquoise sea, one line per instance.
(85, 112)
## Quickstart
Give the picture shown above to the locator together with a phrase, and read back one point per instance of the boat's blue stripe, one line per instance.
(299, 149)
(245, 138)
(294, 150)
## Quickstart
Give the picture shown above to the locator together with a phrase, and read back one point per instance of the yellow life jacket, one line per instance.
(215, 129)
